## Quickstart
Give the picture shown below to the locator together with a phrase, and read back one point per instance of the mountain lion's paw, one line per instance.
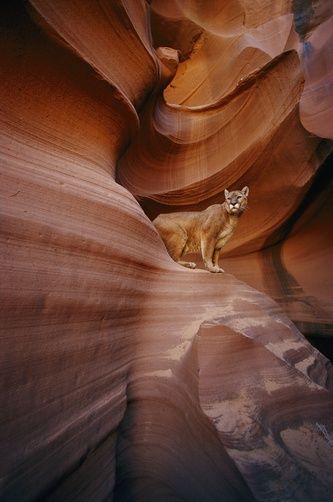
(215, 269)
(191, 264)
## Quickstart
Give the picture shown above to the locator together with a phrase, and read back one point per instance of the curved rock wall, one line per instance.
(125, 376)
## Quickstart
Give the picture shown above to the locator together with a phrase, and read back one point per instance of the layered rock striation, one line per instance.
(125, 376)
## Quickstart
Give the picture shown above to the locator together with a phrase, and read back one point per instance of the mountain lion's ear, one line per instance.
(245, 191)
(226, 193)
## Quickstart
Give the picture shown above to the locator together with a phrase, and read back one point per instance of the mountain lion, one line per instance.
(206, 231)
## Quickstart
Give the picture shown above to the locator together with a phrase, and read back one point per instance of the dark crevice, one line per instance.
(283, 286)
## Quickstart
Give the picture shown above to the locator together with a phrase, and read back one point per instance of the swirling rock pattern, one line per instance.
(125, 376)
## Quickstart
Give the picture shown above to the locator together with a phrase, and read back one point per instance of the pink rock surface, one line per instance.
(125, 376)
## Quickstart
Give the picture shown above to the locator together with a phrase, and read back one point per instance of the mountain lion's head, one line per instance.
(236, 201)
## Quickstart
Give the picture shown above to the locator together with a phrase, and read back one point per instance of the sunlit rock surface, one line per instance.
(124, 376)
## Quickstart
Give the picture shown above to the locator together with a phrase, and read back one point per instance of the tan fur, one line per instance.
(206, 231)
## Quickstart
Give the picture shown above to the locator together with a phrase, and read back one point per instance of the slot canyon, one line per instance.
(125, 376)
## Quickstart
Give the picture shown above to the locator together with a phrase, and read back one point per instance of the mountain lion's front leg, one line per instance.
(207, 251)
(216, 259)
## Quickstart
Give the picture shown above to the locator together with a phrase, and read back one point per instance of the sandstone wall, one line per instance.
(125, 376)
